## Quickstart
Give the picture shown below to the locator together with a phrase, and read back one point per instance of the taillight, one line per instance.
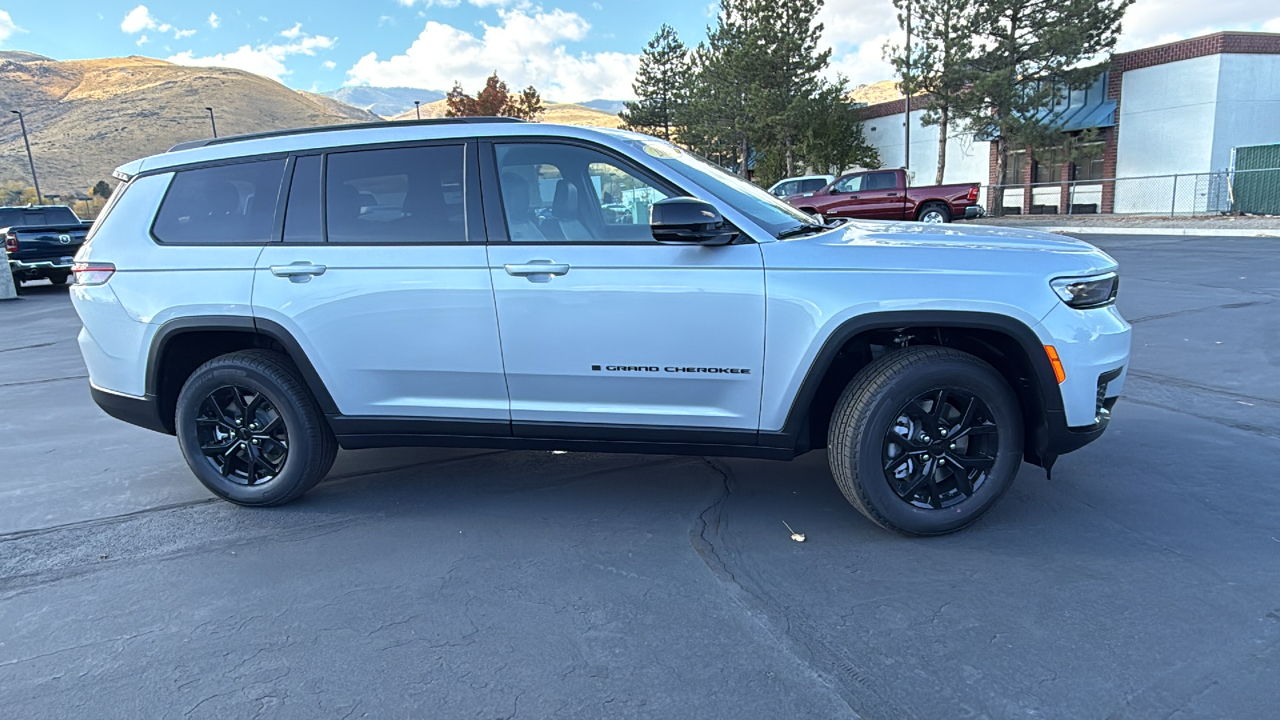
(973, 194)
(88, 273)
(11, 242)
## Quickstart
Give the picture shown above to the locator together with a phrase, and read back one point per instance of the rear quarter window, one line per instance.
(228, 204)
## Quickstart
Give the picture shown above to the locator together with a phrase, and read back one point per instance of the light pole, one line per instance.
(906, 77)
(34, 180)
(212, 122)
(417, 108)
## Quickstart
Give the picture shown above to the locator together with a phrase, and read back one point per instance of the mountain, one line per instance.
(613, 107)
(876, 92)
(557, 113)
(384, 101)
(86, 117)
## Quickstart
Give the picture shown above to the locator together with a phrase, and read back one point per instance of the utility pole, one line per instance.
(417, 108)
(34, 180)
(906, 82)
(211, 121)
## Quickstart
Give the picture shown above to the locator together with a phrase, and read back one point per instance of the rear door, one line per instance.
(607, 334)
(383, 282)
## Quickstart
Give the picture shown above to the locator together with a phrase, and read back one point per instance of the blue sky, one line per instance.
(572, 50)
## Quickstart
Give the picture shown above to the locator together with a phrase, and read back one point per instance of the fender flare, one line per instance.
(237, 323)
(1044, 382)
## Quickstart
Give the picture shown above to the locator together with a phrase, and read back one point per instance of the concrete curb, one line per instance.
(7, 289)
(1180, 232)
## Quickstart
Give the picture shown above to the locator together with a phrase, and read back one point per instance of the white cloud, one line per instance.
(265, 60)
(142, 41)
(140, 18)
(214, 21)
(858, 29)
(525, 49)
(7, 26)
(328, 64)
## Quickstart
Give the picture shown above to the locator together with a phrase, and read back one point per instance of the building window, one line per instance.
(1048, 165)
(1014, 165)
(1088, 162)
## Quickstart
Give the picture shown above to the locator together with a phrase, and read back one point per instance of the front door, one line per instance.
(385, 286)
(606, 333)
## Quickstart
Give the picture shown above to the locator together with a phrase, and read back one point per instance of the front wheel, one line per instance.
(934, 214)
(251, 430)
(925, 440)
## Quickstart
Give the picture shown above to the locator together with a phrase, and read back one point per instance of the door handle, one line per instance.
(853, 197)
(537, 270)
(299, 272)
(893, 194)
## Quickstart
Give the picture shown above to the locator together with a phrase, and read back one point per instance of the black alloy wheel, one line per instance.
(941, 448)
(242, 434)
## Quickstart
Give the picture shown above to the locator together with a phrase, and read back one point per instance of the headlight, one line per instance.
(1087, 292)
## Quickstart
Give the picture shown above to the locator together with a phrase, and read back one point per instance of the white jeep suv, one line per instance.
(481, 283)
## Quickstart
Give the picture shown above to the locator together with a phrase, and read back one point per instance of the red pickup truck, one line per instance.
(884, 195)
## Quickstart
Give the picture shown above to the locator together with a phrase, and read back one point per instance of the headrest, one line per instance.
(565, 203)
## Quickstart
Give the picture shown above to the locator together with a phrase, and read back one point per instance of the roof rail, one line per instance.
(191, 144)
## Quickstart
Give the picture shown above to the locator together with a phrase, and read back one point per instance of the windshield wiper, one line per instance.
(801, 229)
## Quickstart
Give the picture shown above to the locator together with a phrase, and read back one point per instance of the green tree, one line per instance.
(1030, 52)
(661, 85)
(494, 100)
(832, 139)
(101, 189)
(939, 65)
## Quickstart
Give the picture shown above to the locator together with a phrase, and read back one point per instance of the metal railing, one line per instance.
(1184, 194)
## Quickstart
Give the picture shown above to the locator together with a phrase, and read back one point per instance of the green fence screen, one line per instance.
(1256, 185)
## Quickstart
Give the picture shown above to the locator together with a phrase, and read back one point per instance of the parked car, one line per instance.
(41, 240)
(238, 296)
(801, 184)
(884, 195)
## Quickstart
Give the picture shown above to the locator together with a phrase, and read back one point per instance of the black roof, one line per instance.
(351, 126)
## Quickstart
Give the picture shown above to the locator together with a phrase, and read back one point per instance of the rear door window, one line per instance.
(226, 204)
(398, 195)
(811, 185)
(880, 181)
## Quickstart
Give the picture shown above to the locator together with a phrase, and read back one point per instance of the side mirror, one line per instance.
(689, 221)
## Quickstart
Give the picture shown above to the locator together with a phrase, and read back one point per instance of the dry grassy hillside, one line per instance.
(876, 92)
(86, 117)
(558, 113)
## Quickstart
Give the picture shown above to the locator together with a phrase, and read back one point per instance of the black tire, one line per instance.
(881, 399)
(264, 385)
(58, 278)
(934, 212)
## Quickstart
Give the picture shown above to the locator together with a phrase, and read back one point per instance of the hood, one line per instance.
(918, 246)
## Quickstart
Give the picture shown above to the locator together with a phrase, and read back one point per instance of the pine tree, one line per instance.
(660, 86)
(939, 64)
(1030, 52)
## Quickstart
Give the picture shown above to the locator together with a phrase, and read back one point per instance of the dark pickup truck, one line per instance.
(884, 195)
(41, 240)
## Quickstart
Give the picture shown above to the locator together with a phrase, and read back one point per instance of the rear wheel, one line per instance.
(251, 431)
(934, 213)
(925, 440)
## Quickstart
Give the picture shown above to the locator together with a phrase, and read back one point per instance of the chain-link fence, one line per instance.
(1212, 193)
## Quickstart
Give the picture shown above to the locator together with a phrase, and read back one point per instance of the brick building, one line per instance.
(1174, 109)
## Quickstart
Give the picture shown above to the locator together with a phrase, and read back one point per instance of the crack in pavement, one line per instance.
(41, 382)
(27, 347)
(1188, 311)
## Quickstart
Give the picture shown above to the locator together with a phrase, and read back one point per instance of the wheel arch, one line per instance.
(182, 345)
(923, 205)
(1009, 345)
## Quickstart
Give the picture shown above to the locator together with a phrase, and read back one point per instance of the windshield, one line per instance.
(767, 211)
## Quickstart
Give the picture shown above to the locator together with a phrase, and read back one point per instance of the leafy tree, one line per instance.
(940, 61)
(1028, 53)
(101, 189)
(832, 140)
(494, 100)
(660, 86)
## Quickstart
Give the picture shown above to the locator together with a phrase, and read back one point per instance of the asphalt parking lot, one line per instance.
(1142, 581)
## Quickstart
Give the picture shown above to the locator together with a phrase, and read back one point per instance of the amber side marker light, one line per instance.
(1056, 362)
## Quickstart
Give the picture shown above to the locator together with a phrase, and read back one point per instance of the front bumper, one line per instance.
(1093, 346)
